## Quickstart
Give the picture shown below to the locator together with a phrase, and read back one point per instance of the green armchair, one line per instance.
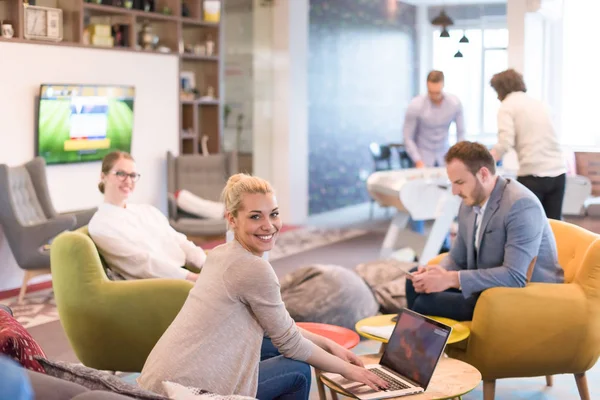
(111, 325)
(542, 329)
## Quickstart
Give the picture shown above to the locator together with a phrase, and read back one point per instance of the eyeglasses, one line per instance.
(122, 175)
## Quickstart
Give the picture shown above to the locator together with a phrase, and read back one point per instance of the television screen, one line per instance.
(78, 123)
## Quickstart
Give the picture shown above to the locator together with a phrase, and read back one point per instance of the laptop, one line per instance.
(412, 354)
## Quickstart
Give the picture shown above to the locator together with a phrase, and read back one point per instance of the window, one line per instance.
(579, 127)
(468, 77)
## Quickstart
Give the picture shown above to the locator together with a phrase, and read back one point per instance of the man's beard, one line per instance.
(478, 194)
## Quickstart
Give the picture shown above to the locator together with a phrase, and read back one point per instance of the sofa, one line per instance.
(51, 388)
(19, 352)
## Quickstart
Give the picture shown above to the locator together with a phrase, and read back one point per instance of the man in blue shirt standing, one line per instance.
(426, 123)
(428, 118)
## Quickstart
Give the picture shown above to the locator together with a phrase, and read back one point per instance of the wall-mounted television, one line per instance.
(79, 123)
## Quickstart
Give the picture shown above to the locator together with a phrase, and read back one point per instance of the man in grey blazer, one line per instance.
(502, 227)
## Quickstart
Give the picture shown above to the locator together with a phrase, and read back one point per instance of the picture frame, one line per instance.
(188, 81)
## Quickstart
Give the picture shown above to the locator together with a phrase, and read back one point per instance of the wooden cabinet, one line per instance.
(184, 36)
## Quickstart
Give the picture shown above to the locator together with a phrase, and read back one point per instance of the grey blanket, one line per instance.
(329, 294)
(387, 280)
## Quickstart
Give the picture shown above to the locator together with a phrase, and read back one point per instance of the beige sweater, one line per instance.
(524, 124)
(214, 342)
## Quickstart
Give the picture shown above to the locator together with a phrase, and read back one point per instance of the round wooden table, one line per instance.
(459, 331)
(452, 378)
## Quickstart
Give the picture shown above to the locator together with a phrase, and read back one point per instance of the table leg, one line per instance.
(320, 385)
(441, 227)
(333, 394)
(391, 237)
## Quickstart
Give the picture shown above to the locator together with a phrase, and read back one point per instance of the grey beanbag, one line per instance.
(328, 294)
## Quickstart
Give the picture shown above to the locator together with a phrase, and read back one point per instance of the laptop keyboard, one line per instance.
(393, 383)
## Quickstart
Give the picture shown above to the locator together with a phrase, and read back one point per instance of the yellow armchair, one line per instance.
(542, 329)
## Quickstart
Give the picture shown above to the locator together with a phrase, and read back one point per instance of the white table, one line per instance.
(420, 193)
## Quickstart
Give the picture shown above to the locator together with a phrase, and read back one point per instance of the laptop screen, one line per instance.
(415, 347)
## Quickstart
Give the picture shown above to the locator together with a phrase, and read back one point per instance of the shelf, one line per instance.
(85, 46)
(112, 10)
(209, 102)
(197, 22)
(194, 57)
(202, 117)
(200, 102)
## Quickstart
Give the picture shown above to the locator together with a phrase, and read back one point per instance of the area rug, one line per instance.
(40, 308)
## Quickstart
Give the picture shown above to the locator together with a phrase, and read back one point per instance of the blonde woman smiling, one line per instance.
(215, 341)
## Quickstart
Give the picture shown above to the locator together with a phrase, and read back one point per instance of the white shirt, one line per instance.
(524, 124)
(479, 211)
(138, 242)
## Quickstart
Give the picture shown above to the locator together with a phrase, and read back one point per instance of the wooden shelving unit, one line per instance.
(177, 34)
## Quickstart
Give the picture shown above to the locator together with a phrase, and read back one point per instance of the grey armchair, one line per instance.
(37, 173)
(28, 218)
(204, 176)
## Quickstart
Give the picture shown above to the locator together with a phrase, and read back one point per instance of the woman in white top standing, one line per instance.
(136, 240)
(215, 341)
(524, 124)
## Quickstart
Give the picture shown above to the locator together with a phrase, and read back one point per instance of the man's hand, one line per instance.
(419, 164)
(434, 279)
(191, 277)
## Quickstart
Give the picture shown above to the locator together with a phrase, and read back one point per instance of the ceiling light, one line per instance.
(445, 33)
(464, 39)
(442, 20)
(458, 54)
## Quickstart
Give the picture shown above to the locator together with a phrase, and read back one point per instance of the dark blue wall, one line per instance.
(362, 74)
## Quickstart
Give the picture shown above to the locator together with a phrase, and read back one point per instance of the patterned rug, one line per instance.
(40, 308)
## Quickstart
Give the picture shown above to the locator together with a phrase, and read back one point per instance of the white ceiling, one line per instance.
(451, 2)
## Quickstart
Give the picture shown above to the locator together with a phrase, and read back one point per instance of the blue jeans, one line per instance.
(280, 377)
(450, 303)
(14, 382)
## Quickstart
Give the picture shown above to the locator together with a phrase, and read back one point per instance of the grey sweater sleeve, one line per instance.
(255, 284)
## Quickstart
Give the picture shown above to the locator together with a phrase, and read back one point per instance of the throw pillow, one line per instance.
(190, 203)
(176, 391)
(94, 379)
(17, 343)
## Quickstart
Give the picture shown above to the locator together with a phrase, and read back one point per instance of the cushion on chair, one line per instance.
(17, 343)
(204, 176)
(197, 206)
(207, 227)
(94, 379)
(27, 207)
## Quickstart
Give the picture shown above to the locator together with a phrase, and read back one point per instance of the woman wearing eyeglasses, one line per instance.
(136, 240)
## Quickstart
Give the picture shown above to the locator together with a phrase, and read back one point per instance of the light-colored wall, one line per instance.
(280, 147)
(238, 74)
(25, 66)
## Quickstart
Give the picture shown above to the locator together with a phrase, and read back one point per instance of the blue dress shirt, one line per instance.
(426, 128)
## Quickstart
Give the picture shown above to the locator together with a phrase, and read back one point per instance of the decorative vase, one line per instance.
(147, 38)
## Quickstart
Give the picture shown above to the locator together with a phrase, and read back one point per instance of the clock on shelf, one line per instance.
(42, 23)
